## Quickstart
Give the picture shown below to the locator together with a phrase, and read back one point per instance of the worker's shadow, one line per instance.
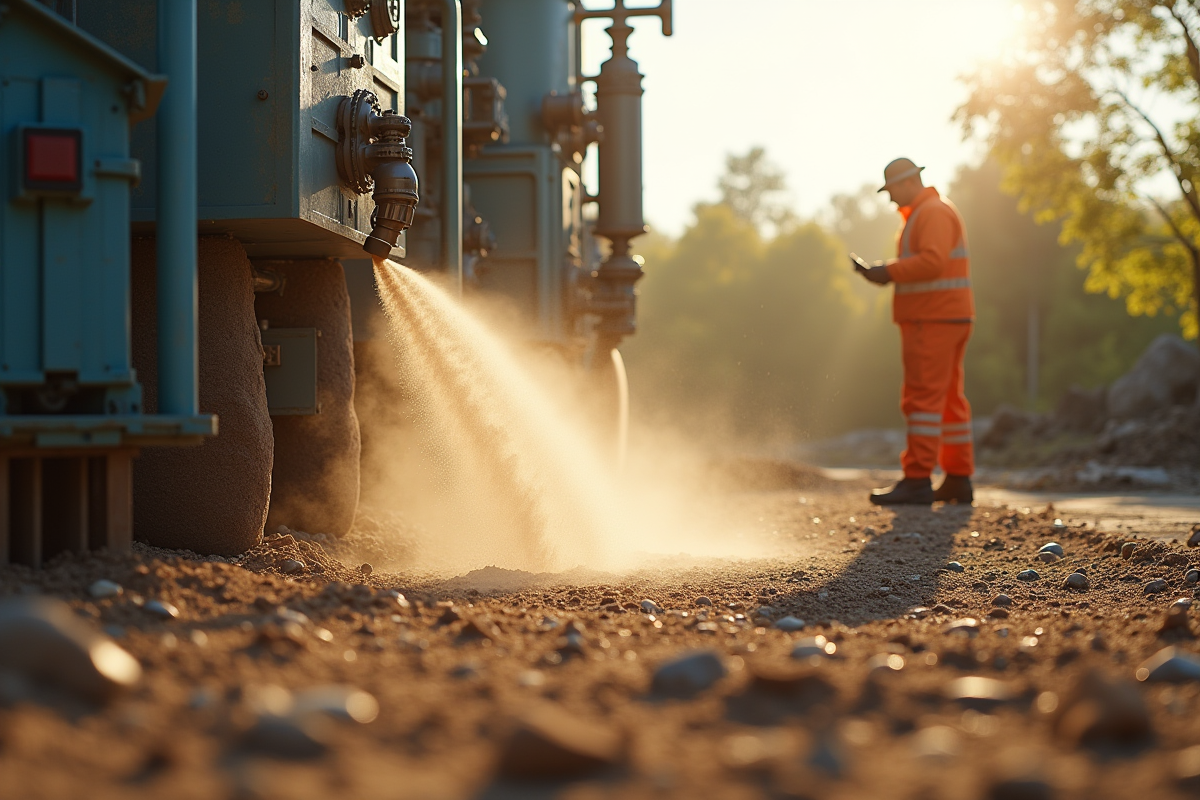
(895, 570)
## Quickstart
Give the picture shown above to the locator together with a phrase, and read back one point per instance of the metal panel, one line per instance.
(292, 382)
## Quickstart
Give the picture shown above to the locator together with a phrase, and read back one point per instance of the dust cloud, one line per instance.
(500, 465)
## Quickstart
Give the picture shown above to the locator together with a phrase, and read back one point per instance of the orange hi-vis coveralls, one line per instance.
(935, 310)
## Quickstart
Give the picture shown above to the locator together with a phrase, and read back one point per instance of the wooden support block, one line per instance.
(119, 499)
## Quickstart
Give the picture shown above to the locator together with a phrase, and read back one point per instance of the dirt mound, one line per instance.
(765, 475)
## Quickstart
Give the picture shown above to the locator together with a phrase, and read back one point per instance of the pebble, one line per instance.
(1047, 557)
(688, 675)
(651, 607)
(885, 664)
(1077, 580)
(1155, 586)
(1002, 600)
(1187, 768)
(1194, 539)
(1052, 547)
(43, 640)
(1127, 549)
(789, 624)
(550, 743)
(955, 566)
(1028, 575)
(765, 612)
(161, 608)
(1103, 712)
(1169, 664)
(967, 626)
(703, 601)
(105, 588)
(978, 693)
(998, 613)
(1192, 576)
(814, 646)
(366, 570)
(937, 742)
(285, 737)
(910, 537)
(339, 702)
(291, 565)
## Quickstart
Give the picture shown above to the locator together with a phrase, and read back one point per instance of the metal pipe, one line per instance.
(452, 124)
(178, 358)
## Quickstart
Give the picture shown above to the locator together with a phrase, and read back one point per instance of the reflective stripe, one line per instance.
(960, 251)
(956, 426)
(924, 430)
(960, 439)
(921, 416)
(941, 285)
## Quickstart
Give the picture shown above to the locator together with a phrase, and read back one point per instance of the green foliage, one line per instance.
(1069, 115)
(752, 186)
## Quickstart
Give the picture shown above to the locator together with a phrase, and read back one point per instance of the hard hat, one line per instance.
(899, 170)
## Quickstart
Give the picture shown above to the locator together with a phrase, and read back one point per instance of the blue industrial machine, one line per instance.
(71, 415)
(290, 141)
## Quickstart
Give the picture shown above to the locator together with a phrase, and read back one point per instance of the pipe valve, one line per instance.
(373, 157)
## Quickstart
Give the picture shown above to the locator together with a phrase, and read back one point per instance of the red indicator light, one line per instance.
(53, 159)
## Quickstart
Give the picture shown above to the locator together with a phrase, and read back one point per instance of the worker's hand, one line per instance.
(877, 274)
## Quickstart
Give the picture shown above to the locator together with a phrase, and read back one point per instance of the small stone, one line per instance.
(1077, 581)
(967, 626)
(1169, 664)
(161, 608)
(651, 607)
(1194, 539)
(1002, 600)
(910, 537)
(937, 743)
(103, 588)
(1192, 576)
(1155, 586)
(765, 612)
(366, 570)
(1028, 575)
(955, 566)
(789, 624)
(1187, 769)
(979, 693)
(1127, 550)
(550, 743)
(703, 601)
(1102, 712)
(814, 646)
(1048, 557)
(291, 565)
(998, 613)
(339, 702)
(1184, 602)
(44, 641)
(449, 616)
(287, 738)
(1052, 547)
(688, 675)
(885, 664)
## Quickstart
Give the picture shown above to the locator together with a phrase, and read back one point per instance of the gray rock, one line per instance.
(703, 601)
(1077, 580)
(1052, 547)
(291, 565)
(1192, 576)
(1028, 575)
(967, 626)
(688, 675)
(104, 588)
(1002, 600)
(1166, 374)
(1184, 603)
(789, 624)
(1127, 549)
(980, 693)
(1155, 586)
(1099, 712)
(1169, 664)
(44, 641)
(161, 608)
(651, 607)
(1047, 557)
(1194, 539)
(548, 743)
(366, 569)
(339, 702)
(954, 566)
(287, 737)
(765, 612)
(814, 646)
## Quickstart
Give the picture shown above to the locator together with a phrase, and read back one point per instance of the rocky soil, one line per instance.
(944, 653)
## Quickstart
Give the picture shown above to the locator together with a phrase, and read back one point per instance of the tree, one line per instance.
(1079, 116)
(751, 188)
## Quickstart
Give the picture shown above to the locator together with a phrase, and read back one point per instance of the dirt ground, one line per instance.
(511, 685)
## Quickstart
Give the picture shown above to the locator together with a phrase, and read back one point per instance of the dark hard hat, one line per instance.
(899, 170)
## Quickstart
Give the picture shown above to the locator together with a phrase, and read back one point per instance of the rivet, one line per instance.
(262, 94)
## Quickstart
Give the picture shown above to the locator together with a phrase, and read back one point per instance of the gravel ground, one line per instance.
(500, 684)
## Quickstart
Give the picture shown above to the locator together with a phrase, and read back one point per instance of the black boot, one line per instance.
(908, 492)
(956, 489)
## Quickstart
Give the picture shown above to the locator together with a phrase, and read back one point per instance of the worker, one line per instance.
(935, 310)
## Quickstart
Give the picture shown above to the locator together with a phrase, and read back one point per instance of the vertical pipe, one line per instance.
(452, 123)
(178, 359)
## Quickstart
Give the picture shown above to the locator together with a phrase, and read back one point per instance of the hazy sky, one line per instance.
(834, 89)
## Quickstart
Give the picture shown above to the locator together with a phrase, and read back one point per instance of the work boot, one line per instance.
(908, 492)
(955, 489)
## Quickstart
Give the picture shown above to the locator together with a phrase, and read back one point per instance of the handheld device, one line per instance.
(859, 264)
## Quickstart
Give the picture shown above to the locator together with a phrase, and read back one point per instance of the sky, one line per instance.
(833, 89)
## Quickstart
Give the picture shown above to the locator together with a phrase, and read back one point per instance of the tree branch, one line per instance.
(1192, 249)
(1193, 52)
(1189, 194)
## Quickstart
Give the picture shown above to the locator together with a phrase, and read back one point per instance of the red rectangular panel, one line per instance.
(52, 157)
